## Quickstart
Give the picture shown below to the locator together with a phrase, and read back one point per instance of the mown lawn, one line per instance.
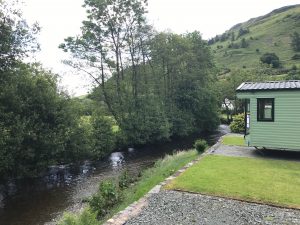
(269, 181)
(233, 140)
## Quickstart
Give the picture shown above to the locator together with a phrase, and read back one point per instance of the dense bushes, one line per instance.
(238, 123)
(162, 88)
(108, 195)
(270, 59)
(200, 145)
(87, 217)
(41, 126)
(295, 43)
(103, 136)
(296, 57)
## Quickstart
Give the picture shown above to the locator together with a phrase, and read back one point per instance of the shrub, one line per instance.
(244, 43)
(125, 180)
(103, 135)
(107, 196)
(238, 123)
(97, 204)
(296, 56)
(85, 218)
(270, 59)
(295, 44)
(200, 145)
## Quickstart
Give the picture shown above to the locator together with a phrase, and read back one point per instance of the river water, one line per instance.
(40, 201)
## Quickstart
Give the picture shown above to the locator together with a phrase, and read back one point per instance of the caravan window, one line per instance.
(265, 109)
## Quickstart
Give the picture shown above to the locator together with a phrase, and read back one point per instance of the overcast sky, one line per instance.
(62, 18)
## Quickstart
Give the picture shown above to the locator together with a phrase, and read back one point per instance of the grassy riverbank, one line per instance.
(162, 169)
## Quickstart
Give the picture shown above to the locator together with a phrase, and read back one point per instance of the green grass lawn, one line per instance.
(233, 140)
(269, 181)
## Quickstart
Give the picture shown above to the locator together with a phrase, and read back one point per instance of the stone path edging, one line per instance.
(135, 208)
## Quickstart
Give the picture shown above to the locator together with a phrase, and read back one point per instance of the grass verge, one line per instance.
(153, 176)
(160, 171)
(268, 181)
(233, 140)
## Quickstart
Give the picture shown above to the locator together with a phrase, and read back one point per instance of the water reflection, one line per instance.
(117, 160)
(36, 201)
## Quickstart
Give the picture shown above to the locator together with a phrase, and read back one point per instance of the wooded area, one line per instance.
(151, 86)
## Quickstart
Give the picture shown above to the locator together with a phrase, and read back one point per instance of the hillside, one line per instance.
(268, 33)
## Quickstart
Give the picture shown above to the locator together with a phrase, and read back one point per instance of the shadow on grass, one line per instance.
(277, 154)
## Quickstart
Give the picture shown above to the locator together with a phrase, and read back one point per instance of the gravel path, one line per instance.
(172, 207)
(241, 151)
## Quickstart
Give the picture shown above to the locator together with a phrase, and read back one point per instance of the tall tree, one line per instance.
(111, 40)
(295, 37)
(155, 85)
(18, 39)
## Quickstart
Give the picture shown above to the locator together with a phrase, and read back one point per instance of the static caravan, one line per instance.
(272, 114)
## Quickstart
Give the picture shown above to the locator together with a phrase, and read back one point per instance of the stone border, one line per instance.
(135, 208)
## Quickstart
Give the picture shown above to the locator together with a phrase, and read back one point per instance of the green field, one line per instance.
(270, 33)
(268, 181)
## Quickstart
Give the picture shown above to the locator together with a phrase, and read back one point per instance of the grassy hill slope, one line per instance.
(268, 33)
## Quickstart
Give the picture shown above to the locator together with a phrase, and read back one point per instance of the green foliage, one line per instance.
(163, 90)
(244, 43)
(35, 121)
(103, 136)
(238, 123)
(270, 59)
(296, 57)
(85, 218)
(243, 31)
(148, 123)
(265, 30)
(295, 44)
(294, 74)
(39, 124)
(125, 180)
(108, 195)
(17, 38)
(147, 180)
(200, 145)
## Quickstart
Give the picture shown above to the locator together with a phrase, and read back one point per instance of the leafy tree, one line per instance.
(103, 136)
(295, 44)
(34, 119)
(270, 59)
(243, 31)
(142, 75)
(232, 36)
(39, 124)
(244, 43)
(17, 37)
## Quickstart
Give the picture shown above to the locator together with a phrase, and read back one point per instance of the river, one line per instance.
(40, 201)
